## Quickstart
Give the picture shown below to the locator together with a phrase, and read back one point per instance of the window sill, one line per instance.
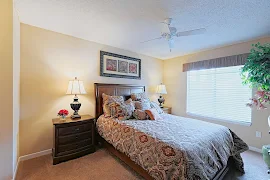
(221, 120)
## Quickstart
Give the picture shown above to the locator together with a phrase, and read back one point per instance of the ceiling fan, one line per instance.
(170, 33)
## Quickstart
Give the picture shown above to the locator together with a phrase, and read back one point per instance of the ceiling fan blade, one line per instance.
(151, 40)
(191, 32)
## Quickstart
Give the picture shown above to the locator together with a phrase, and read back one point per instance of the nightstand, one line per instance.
(73, 138)
(167, 110)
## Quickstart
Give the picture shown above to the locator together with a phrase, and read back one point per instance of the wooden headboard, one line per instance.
(124, 90)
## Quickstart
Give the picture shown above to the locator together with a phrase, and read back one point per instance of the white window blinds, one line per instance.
(219, 94)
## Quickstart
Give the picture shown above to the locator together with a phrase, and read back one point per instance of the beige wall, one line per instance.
(6, 125)
(175, 81)
(48, 61)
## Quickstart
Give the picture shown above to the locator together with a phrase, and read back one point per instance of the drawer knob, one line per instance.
(77, 129)
(76, 137)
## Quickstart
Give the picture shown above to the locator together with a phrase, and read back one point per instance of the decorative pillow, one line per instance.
(142, 105)
(117, 111)
(106, 110)
(139, 97)
(107, 100)
(129, 101)
(110, 99)
(130, 106)
(153, 114)
(157, 107)
(140, 114)
(122, 111)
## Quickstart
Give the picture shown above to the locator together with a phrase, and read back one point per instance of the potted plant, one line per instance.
(256, 74)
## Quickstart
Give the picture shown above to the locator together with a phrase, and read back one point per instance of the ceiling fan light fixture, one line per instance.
(168, 21)
(168, 37)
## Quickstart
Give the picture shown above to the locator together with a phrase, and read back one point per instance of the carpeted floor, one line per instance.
(102, 165)
(255, 168)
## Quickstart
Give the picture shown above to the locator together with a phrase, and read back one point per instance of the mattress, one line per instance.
(174, 147)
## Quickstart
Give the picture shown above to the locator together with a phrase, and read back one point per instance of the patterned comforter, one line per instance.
(175, 147)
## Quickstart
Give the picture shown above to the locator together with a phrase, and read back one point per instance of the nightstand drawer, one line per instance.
(74, 146)
(63, 140)
(75, 129)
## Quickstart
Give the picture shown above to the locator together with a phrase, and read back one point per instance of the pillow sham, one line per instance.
(129, 101)
(157, 107)
(122, 111)
(153, 114)
(129, 106)
(142, 105)
(107, 100)
(140, 115)
(139, 97)
(117, 111)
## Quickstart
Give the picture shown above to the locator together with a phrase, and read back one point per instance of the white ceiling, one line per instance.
(125, 23)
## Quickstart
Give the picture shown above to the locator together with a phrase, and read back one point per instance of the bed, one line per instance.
(172, 148)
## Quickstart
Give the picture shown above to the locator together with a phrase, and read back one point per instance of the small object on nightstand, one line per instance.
(75, 87)
(73, 138)
(62, 114)
(161, 89)
(167, 110)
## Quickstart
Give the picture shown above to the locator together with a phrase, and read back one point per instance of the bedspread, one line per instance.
(174, 147)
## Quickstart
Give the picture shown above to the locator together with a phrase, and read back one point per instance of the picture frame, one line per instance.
(119, 66)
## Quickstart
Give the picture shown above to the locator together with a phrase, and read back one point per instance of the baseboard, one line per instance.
(16, 170)
(255, 149)
(34, 155)
(29, 156)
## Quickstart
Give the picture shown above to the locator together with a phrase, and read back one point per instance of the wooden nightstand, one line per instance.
(73, 138)
(167, 110)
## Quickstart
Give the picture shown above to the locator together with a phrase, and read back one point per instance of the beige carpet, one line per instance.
(102, 165)
(255, 168)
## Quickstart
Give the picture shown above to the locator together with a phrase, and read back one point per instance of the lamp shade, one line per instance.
(161, 89)
(75, 87)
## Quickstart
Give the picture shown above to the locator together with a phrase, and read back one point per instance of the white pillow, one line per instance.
(156, 106)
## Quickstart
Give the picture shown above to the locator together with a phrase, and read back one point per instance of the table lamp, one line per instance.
(161, 89)
(75, 87)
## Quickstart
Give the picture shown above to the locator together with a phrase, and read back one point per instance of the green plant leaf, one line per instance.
(256, 71)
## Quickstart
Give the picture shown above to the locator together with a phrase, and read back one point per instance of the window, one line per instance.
(219, 94)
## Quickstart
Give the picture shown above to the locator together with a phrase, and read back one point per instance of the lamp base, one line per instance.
(75, 116)
(161, 101)
(75, 105)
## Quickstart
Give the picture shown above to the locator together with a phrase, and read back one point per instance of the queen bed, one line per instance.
(170, 148)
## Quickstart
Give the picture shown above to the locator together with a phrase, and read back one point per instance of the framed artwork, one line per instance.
(115, 65)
